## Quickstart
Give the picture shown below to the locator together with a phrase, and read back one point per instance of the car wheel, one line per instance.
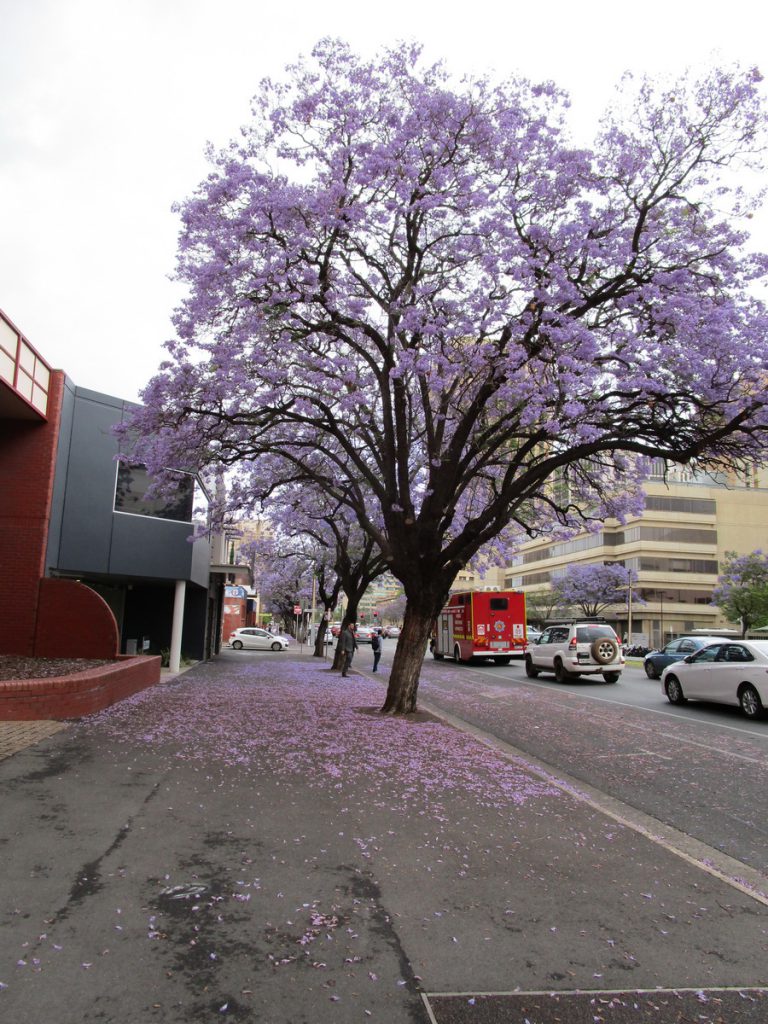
(530, 669)
(650, 670)
(604, 650)
(237, 644)
(674, 690)
(750, 702)
(502, 661)
(457, 654)
(276, 646)
(611, 677)
(562, 675)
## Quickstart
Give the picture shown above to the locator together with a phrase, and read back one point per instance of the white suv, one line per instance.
(571, 649)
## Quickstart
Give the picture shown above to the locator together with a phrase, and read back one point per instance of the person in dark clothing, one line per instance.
(376, 648)
(348, 645)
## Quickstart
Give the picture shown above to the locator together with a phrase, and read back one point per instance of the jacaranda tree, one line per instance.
(421, 294)
(593, 587)
(742, 589)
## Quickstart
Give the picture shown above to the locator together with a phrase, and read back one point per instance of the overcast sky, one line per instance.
(106, 107)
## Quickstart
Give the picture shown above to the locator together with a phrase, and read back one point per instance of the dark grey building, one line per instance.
(148, 557)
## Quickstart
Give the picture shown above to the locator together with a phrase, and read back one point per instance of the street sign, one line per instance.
(297, 609)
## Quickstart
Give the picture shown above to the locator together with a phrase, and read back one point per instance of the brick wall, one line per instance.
(27, 463)
(76, 695)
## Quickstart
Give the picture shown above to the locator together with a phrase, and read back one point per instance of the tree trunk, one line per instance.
(320, 640)
(409, 657)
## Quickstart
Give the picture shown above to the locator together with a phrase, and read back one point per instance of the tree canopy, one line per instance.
(742, 589)
(420, 295)
(593, 587)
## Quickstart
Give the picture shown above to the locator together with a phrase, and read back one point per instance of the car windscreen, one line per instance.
(587, 634)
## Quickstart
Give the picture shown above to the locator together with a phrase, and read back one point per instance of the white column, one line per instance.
(178, 622)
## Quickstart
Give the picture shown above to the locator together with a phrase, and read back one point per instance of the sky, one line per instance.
(106, 107)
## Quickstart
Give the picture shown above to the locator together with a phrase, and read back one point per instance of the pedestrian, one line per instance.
(376, 648)
(348, 645)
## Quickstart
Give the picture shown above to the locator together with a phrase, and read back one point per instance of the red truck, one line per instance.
(481, 624)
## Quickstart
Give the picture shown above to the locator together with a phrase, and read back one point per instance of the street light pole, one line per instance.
(629, 606)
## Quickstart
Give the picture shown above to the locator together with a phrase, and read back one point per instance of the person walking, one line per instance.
(348, 645)
(376, 648)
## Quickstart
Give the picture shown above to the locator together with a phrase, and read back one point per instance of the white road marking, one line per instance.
(732, 872)
(553, 687)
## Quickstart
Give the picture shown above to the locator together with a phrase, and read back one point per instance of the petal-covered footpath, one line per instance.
(253, 841)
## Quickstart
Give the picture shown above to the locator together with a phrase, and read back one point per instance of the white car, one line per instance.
(572, 649)
(255, 639)
(727, 672)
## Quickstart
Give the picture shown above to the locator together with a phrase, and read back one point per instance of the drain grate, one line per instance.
(659, 1006)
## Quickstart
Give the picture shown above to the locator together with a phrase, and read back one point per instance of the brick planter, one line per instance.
(78, 694)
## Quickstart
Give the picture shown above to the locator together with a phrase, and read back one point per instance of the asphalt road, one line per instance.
(699, 769)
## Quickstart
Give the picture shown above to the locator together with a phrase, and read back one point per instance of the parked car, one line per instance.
(335, 628)
(571, 649)
(391, 632)
(726, 672)
(363, 634)
(655, 662)
(255, 639)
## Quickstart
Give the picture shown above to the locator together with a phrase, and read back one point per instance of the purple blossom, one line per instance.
(419, 299)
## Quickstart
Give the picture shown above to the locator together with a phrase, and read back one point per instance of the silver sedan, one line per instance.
(727, 672)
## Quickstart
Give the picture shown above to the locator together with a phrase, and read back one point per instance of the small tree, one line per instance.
(593, 588)
(742, 589)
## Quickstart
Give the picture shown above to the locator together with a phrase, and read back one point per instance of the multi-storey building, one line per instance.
(676, 549)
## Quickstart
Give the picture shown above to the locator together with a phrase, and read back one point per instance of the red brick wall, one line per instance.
(27, 463)
(74, 621)
(76, 695)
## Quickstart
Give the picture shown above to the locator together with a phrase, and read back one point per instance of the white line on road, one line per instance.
(734, 873)
(553, 688)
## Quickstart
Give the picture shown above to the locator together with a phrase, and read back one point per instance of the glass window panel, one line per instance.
(27, 358)
(42, 374)
(7, 366)
(665, 503)
(133, 483)
(9, 339)
(24, 385)
(39, 398)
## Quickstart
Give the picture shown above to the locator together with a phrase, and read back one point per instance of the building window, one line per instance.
(693, 506)
(133, 482)
(671, 535)
(702, 565)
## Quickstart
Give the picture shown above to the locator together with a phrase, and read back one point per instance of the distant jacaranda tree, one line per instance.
(594, 587)
(742, 589)
(420, 294)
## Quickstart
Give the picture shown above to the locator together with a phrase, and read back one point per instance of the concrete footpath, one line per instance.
(251, 841)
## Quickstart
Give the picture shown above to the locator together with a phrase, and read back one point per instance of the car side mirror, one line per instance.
(688, 659)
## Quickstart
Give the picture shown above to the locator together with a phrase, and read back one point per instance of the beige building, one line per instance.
(675, 548)
(376, 598)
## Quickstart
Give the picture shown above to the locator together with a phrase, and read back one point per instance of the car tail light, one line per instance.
(572, 644)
